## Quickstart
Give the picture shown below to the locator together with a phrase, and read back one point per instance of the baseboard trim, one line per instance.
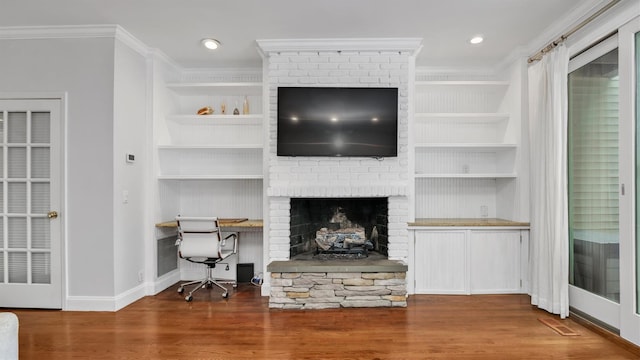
(604, 331)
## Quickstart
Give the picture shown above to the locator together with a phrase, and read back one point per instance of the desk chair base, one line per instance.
(207, 282)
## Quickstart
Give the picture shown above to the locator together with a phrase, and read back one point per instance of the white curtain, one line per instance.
(549, 239)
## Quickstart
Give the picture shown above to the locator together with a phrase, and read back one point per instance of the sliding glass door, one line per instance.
(593, 148)
(604, 182)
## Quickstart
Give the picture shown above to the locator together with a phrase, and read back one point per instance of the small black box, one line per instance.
(245, 272)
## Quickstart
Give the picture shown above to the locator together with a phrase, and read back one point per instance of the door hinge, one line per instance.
(622, 189)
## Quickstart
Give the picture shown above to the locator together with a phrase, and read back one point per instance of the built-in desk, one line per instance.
(240, 225)
(166, 250)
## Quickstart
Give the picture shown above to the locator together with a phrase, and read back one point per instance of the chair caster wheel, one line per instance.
(188, 298)
(225, 295)
(235, 286)
(180, 290)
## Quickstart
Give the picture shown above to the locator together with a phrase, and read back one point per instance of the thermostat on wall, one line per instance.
(131, 158)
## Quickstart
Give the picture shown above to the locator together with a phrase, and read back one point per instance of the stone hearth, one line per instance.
(326, 284)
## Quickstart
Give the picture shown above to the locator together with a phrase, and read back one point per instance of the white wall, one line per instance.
(131, 136)
(83, 68)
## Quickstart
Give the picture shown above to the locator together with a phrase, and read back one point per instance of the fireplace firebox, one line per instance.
(334, 228)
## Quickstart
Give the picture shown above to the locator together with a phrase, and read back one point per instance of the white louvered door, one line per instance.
(30, 193)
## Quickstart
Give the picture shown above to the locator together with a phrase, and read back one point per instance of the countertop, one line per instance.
(467, 222)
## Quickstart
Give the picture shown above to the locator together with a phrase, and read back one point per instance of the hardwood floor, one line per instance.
(242, 327)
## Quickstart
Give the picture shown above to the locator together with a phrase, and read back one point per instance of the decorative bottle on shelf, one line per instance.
(223, 107)
(245, 106)
(235, 110)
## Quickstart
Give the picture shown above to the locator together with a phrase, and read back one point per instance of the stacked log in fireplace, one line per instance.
(343, 238)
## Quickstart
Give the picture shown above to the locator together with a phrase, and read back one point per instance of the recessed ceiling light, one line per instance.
(476, 40)
(210, 44)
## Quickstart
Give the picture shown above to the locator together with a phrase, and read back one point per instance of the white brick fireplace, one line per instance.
(337, 63)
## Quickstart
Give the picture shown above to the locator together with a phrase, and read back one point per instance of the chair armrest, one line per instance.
(235, 241)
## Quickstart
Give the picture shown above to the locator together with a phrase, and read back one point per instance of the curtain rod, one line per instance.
(537, 56)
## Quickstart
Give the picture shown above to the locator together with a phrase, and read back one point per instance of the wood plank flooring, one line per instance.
(431, 327)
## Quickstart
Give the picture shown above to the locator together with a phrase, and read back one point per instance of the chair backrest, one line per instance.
(199, 237)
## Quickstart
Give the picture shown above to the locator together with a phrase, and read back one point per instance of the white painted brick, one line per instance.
(370, 80)
(349, 66)
(288, 80)
(338, 59)
(287, 66)
(278, 59)
(308, 81)
(278, 239)
(307, 66)
(379, 59)
(327, 80)
(279, 226)
(328, 66)
(297, 73)
(299, 59)
(319, 73)
(348, 81)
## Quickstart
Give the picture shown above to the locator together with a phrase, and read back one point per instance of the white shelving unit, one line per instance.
(210, 165)
(218, 154)
(465, 145)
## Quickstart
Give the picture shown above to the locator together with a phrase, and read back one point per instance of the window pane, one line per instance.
(17, 233)
(17, 163)
(40, 198)
(40, 268)
(17, 199)
(40, 237)
(18, 267)
(40, 127)
(39, 163)
(593, 177)
(17, 127)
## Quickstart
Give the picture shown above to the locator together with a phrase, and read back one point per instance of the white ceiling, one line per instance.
(175, 27)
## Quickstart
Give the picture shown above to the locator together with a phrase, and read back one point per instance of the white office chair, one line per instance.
(200, 241)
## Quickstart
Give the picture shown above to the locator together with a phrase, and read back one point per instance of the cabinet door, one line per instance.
(495, 261)
(441, 262)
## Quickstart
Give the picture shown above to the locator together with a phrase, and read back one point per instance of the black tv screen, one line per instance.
(330, 121)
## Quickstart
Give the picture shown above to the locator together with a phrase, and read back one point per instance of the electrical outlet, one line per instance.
(484, 211)
(140, 276)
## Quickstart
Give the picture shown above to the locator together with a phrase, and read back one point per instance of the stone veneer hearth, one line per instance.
(372, 282)
(337, 63)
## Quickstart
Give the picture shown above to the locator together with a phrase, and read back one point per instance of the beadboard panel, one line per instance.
(455, 198)
(221, 198)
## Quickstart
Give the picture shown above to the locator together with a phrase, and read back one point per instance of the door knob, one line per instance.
(52, 214)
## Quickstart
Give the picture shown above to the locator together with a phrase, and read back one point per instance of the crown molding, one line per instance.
(58, 32)
(79, 32)
(412, 45)
(131, 41)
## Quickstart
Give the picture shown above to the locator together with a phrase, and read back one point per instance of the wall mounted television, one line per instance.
(337, 121)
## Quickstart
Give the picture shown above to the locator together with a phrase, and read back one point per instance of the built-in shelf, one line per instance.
(479, 147)
(462, 118)
(191, 120)
(211, 177)
(210, 147)
(217, 88)
(475, 85)
(467, 176)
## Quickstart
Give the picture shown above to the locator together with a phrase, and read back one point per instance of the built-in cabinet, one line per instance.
(470, 260)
